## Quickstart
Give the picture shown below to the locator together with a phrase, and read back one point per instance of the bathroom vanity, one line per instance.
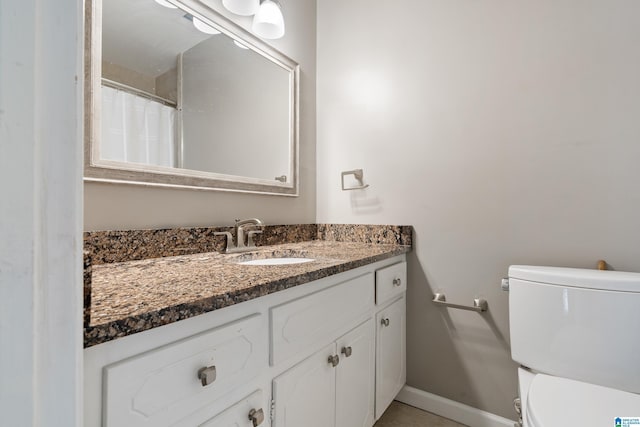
(177, 333)
(314, 344)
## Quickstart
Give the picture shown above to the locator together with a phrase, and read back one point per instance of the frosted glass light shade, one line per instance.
(240, 45)
(166, 4)
(268, 22)
(204, 27)
(242, 7)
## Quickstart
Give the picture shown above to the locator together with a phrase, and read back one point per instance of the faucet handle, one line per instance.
(229, 239)
(250, 235)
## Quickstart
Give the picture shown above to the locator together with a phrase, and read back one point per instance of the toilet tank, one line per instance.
(577, 323)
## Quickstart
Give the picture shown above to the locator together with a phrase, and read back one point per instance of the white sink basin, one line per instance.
(276, 261)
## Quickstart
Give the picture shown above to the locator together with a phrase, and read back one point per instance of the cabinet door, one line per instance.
(305, 394)
(390, 354)
(355, 377)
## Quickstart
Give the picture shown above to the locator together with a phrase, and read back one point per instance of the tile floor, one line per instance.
(401, 415)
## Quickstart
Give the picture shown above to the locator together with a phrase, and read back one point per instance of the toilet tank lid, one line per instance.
(578, 277)
(554, 401)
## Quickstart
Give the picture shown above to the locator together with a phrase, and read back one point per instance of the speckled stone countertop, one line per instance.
(134, 296)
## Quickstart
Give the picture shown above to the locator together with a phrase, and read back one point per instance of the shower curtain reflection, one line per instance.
(137, 129)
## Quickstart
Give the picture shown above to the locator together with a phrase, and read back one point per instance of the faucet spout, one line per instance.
(253, 221)
(240, 230)
(240, 245)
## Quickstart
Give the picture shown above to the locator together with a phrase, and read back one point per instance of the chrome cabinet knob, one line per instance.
(385, 321)
(397, 281)
(334, 360)
(346, 351)
(256, 416)
(207, 375)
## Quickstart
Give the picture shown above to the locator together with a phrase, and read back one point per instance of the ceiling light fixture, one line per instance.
(165, 3)
(241, 7)
(268, 22)
(204, 27)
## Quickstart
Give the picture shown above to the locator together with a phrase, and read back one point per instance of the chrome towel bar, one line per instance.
(479, 304)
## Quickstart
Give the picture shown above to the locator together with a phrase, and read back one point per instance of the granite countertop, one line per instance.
(133, 296)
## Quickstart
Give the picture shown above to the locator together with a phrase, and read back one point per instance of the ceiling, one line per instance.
(144, 36)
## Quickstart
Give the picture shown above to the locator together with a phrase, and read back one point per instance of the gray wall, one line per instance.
(235, 111)
(505, 132)
(116, 206)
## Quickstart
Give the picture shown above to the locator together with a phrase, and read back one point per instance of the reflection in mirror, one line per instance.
(181, 96)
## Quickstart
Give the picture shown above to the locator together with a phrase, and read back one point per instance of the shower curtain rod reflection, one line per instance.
(135, 91)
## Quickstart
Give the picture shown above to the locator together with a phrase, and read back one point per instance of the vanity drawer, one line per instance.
(241, 414)
(390, 282)
(318, 318)
(162, 386)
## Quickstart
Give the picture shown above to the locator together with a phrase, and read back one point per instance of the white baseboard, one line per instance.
(451, 409)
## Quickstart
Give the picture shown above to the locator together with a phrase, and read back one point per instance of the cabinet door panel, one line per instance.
(305, 394)
(161, 386)
(355, 377)
(300, 324)
(391, 354)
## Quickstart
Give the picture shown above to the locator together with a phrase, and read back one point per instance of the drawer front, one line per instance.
(318, 318)
(242, 413)
(390, 282)
(162, 386)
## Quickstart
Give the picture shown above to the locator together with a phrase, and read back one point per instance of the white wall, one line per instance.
(40, 213)
(116, 206)
(505, 132)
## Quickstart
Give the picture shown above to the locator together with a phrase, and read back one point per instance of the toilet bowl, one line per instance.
(576, 335)
(555, 401)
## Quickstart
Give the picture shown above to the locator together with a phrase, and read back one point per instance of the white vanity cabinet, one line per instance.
(301, 324)
(355, 377)
(305, 394)
(391, 371)
(247, 412)
(160, 387)
(326, 353)
(333, 387)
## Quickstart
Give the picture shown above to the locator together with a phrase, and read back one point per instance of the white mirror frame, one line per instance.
(97, 170)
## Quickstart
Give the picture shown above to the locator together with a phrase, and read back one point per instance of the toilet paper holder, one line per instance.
(358, 174)
(479, 304)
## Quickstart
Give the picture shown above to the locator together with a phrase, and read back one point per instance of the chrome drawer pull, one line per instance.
(256, 417)
(334, 360)
(207, 375)
(385, 322)
(346, 351)
(397, 281)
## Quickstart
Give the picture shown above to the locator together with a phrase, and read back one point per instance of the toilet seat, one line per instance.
(561, 402)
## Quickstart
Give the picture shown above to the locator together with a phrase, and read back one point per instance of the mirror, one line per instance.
(177, 95)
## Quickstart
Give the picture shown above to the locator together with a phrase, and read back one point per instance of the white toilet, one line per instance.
(576, 333)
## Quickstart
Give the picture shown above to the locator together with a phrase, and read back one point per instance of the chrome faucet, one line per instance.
(240, 245)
